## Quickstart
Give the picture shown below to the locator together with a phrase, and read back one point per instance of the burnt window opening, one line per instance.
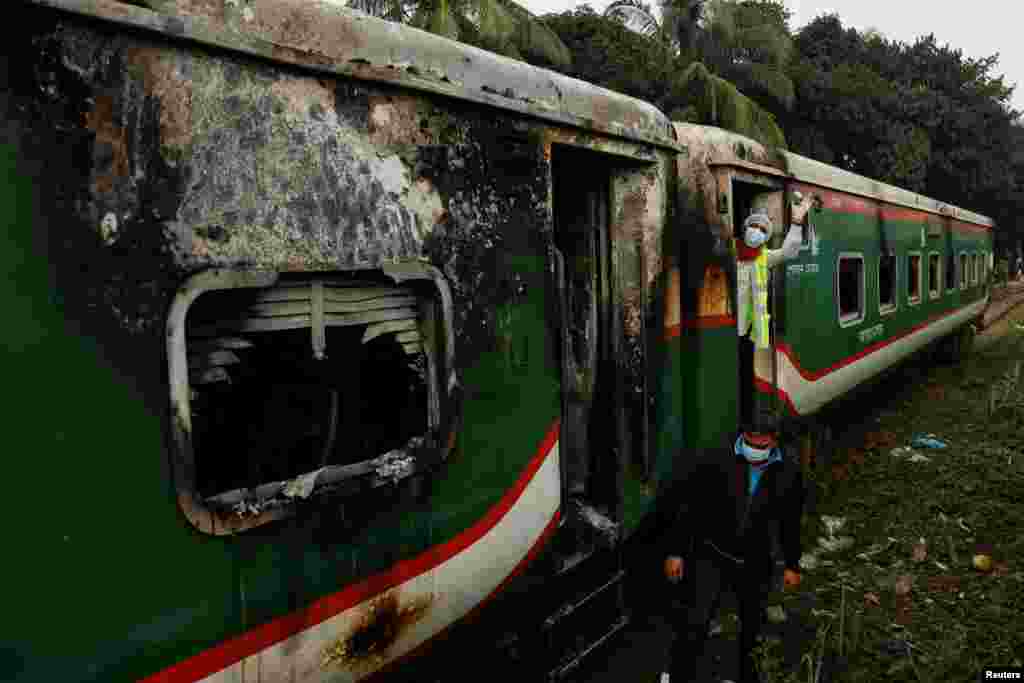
(914, 278)
(307, 374)
(963, 270)
(934, 277)
(975, 269)
(950, 272)
(887, 267)
(850, 289)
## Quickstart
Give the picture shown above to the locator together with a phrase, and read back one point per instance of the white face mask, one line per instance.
(752, 454)
(755, 237)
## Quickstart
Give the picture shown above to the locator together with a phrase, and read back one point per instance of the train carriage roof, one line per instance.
(325, 36)
(725, 148)
(818, 173)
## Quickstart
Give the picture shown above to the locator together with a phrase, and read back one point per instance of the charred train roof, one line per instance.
(326, 37)
(721, 147)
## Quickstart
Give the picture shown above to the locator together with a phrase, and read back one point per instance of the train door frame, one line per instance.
(581, 208)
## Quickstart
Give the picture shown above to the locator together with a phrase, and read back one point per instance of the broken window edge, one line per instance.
(389, 468)
(202, 512)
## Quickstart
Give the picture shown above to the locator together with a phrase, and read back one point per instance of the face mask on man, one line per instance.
(756, 229)
(755, 237)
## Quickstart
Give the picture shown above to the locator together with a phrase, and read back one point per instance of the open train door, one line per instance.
(758, 368)
(589, 438)
(590, 605)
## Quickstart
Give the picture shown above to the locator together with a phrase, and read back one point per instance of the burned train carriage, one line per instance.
(344, 314)
(334, 332)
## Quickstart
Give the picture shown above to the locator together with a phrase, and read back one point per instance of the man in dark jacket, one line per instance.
(722, 537)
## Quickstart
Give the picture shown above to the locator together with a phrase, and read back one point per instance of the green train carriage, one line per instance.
(841, 313)
(338, 335)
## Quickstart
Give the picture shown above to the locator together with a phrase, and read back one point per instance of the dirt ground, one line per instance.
(890, 590)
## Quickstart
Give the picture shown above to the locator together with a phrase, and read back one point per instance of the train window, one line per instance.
(850, 289)
(950, 272)
(963, 270)
(888, 271)
(934, 275)
(914, 278)
(975, 269)
(288, 386)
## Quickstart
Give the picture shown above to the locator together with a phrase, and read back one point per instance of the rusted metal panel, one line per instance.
(328, 38)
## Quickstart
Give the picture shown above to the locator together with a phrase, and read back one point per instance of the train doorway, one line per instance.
(581, 183)
(748, 195)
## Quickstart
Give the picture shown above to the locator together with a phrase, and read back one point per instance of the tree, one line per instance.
(501, 26)
(606, 53)
(729, 58)
(919, 116)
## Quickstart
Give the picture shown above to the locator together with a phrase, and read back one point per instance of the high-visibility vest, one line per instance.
(757, 314)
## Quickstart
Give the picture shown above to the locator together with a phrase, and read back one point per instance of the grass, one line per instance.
(904, 603)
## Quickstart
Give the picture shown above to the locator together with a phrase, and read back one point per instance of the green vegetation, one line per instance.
(501, 26)
(904, 602)
(718, 63)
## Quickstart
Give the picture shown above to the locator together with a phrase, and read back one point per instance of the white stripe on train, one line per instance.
(807, 396)
(456, 585)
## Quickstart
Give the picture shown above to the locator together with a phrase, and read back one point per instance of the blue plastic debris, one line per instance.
(927, 441)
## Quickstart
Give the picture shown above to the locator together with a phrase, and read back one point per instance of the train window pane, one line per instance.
(914, 278)
(963, 270)
(851, 289)
(887, 282)
(934, 277)
(950, 272)
(975, 269)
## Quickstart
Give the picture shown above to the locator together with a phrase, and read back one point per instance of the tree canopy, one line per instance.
(718, 62)
(919, 116)
(501, 26)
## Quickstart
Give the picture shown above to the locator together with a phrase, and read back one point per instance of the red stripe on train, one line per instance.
(848, 203)
(705, 322)
(812, 376)
(249, 643)
(765, 387)
(474, 613)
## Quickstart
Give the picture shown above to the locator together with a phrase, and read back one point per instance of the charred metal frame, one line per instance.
(241, 509)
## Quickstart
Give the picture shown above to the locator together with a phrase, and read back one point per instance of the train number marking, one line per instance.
(871, 333)
(798, 268)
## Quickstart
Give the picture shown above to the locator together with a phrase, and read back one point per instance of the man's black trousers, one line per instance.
(706, 574)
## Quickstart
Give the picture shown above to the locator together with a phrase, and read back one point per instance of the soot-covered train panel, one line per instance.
(325, 327)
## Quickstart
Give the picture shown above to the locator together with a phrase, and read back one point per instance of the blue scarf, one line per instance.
(759, 459)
